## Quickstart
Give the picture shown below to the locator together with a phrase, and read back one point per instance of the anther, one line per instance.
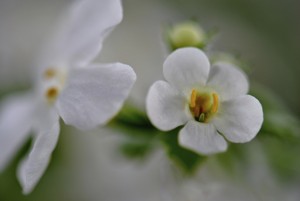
(193, 98)
(49, 73)
(51, 94)
(215, 105)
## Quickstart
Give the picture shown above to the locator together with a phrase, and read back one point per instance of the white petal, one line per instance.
(202, 138)
(228, 80)
(240, 119)
(33, 167)
(94, 94)
(186, 68)
(44, 115)
(166, 108)
(15, 125)
(79, 36)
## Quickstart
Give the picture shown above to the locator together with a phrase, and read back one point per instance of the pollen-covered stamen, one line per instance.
(203, 105)
(193, 98)
(53, 80)
(51, 94)
(49, 73)
(57, 74)
(215, 105)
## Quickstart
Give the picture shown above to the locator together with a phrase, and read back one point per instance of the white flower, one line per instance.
(210, 101)
(83, 95)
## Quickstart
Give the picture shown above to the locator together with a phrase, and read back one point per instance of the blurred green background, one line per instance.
(264, 33)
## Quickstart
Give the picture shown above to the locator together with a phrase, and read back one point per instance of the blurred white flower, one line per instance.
(84, 95)
(211, 102)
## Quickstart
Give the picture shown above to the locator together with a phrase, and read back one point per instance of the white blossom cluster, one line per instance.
(211, 101)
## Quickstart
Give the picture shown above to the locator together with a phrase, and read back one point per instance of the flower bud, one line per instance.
(186, 34)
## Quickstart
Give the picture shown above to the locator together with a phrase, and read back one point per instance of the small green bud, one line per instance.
(187, 34)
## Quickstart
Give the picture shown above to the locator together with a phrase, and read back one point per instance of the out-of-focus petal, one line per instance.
(186, 68)
(79, 36)
(228, 80)
(202, 138)
(240, 119)
(94, 94)
(44, 115)
(166, 108)
(33, 167)
(15, 125)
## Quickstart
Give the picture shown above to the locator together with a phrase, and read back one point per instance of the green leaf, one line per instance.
(133, 122)
(280, 133)
(141, 135)
(13, 89)
(283, 157)
(133, 116)
(269, 100)
(282, 125)
(234, 160)
(279, 121)
(186, 159)
(136, 150)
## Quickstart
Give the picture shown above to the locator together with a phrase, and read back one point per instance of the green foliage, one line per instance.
(13, 89)
(134, 122)
(283, 157)
(283, 126)
(138, 130)
(142, 138)
(279, 121)
(136, 150)
(280, 134)
(269, 100)
(185, 159)
(234, 160)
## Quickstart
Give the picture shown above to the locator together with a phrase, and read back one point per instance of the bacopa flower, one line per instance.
(83, 95)
(210, 101)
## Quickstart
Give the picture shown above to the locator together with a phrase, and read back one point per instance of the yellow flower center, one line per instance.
(203, 105)
(51, 94)
(54, 78)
